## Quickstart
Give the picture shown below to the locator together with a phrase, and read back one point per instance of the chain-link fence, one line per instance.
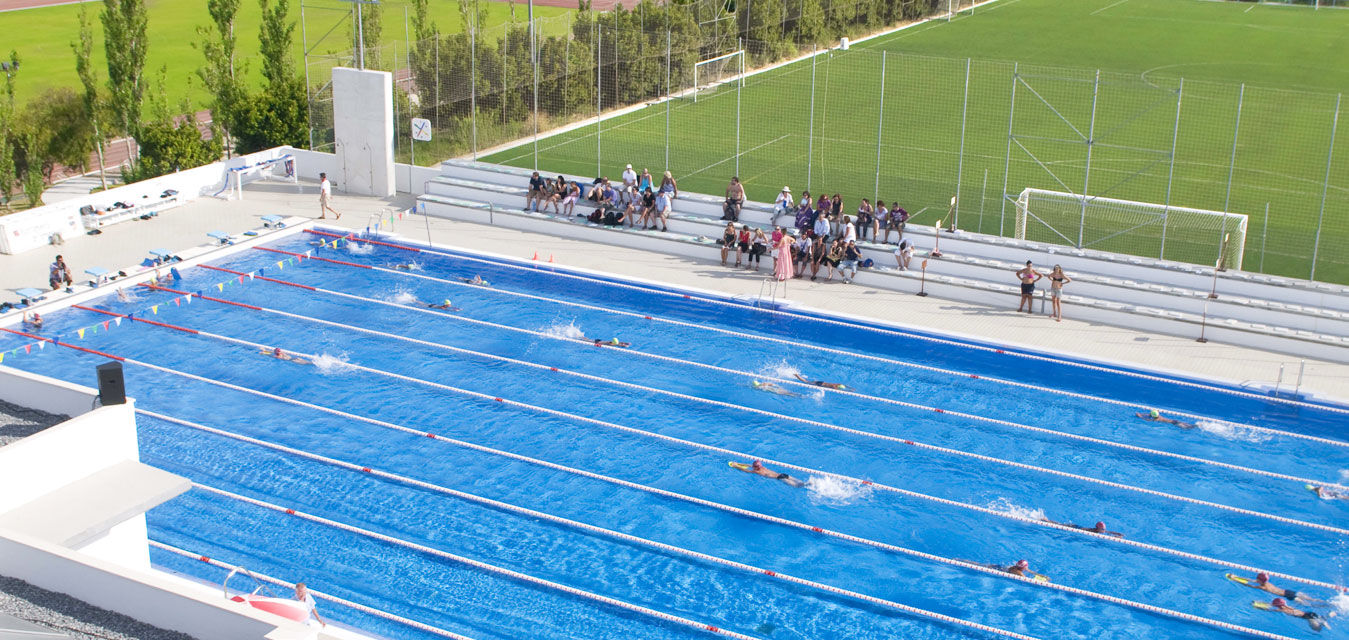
(950, 140)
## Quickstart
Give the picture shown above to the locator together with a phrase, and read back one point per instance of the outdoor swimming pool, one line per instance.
(569, 490)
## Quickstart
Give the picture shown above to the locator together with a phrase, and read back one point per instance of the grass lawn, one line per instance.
(1287, 57)
(42, 37)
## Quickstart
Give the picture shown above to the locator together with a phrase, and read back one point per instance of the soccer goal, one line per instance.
(1136, 228)
(712, 73)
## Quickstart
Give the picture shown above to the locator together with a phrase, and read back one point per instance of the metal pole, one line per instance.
(738, 86)
(880, 128)
(810, 136)
(309, 99)
(1264, 236)
(1325, 187)
(1086, 175)
(1171, 174)
(1007, 159)
(669, 45)
(960, 164)
(983, 191)
(505, 66)
(534, 59)
(360, 38)
(1302, 366)
(437, 52)
(599, 87)
(1236, 132)
(473, 79)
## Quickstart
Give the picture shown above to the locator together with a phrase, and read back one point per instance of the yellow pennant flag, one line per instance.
(81, 332)
(280, 265)
(220, 286)
(155, 309)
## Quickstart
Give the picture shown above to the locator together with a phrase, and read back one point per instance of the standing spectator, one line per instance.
(865, 216)
(782, 259)
(536, 185)
(773, 242)
(629, 181)
(326, 198)
(1028, 277)
(735, 198)
(847, 232)
(783, 205)
(1057, 278)
(662, 210)
(898, 216)
(851, 255)
(882, 219)
(728, 243)
(668, 186)
(644, 182)
(571, 193)
(821, 227)
(758, 245)
(59, 273)
(904, 254)
(305, 598)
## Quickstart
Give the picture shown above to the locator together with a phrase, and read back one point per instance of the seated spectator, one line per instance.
(848, 232)
(663, 205)
(728, 238)
(851, 256)
(801, 254)
(898, 216)
(835, 208)
(550, 196)
(644, 182)
(833, 258)
(904, 254)
(735, 199)
(824, 206)
(775, 242)
(783, 205)
(668, 186)
(597, 189)
(758, 246)
(536, 185)
(742, 244)
(882, 219)
(629, 182)
(805, 216)
(648, 209)
(59, 273)
(818, 252)
(865, 217)
(570, 193)
(821, 228)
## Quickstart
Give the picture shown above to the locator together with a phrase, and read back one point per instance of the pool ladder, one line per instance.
(262, 586)
(377, 220)
(770, 287)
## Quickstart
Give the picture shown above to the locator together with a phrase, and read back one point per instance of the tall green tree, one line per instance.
(219, 75)
(95, 106)
(8, 130)
(370, 33)
(279, 114)
(125, 43)
(170, 142)
(274, 41)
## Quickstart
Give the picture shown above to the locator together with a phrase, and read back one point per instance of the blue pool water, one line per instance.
(648, 421)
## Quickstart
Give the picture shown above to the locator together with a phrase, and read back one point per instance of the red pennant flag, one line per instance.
(105, 325)
(28, 348)
(178, 302)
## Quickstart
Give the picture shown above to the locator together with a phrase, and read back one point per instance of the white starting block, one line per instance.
(221, 237)
(282, 168)
(99, 274)
(273, 222)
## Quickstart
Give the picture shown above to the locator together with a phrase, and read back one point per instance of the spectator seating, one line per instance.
(1283, 314)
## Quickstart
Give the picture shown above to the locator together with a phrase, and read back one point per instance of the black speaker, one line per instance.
(111, 389)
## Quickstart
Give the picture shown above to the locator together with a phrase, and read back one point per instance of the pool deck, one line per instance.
(186, 226)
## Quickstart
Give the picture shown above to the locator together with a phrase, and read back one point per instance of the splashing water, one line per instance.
(1003, 505)
(361, 249)
(331, 365)
(1344, 476)
(836, 491)
(127, 294)
(780, 369)
(1340, 605)
(1232, 431)
(404, 297)
(559, 330)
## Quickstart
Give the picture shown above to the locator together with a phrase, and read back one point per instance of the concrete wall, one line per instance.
(30, 229)
(363, 128)
(51, 459)
(407, 178)
(46, 394)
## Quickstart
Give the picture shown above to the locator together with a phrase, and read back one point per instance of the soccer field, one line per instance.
(896, 118)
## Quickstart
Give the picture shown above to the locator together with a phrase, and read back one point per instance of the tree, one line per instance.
(8, 133)
(125, 43)
(219, 75)
(275, 117)
(169, 143)
(54, 131)
(274, 39)
(370, 32)
(94, 104)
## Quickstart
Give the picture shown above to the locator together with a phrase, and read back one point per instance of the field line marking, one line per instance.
(741, 154)
(1111, 6)
(1248, 9)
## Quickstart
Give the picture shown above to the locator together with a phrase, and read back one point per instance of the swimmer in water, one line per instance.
(1329, 493)
(168, 279)
(609, 343)
(1156, 416)
(1281, 606)
(773, 388)
(1262, 583)
(821, 383)
(445, 306)
(476, 281)
(122, 295)
(411, 266)
(282, 355)
(34, 323)
(1021, 568)
(758, 469)
(1099, 528)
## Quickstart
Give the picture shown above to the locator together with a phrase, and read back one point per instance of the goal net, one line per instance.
(1136, 228)
(712, 74)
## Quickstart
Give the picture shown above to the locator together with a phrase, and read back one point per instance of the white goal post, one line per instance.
(1136, 228)
(714, 72)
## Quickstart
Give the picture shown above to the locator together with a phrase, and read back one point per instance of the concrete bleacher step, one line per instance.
(981, 291)
(954, 263)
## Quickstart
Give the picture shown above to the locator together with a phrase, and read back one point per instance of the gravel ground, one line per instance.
(75, 618)
(17, 423)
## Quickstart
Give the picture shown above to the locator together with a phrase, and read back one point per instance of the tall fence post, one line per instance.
(880, 129)
(309, 98)
(669, 46)
(437, 54)
(810, 136)
(960, 163)
(1086, 175)
(473, 81)
(1232, 163)
(505, 67)
(740, 83)
(1264, 236)
(534, 59)
(1325, 187)
(599, 88)
(1007, 160)
(1171, 173)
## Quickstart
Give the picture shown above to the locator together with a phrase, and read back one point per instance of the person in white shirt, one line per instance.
(629, 184)
(821, 227)
(904, 254)
(849, 232)
(326, 197)
(307, 599)
(783, 205)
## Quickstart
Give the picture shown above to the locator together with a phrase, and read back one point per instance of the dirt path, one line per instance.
(19, 5)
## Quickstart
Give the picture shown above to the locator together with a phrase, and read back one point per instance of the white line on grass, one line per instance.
(1108, 7)
(742, 153)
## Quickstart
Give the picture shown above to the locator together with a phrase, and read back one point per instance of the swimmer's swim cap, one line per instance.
(276, 351)
(1262, 577)
(1278, 602)
(1100, 526)
(1023, 564)
(1155, 413)
(447, 302)
(756, 464)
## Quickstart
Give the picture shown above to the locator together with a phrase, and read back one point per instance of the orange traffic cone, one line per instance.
(550, 257)
(536, 255)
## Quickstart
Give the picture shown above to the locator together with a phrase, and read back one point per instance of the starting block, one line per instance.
(99, 274)
(221, 237)
(271, 222)
(31, 295)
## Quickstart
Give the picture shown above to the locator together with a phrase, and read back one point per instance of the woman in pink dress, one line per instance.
(782, 268)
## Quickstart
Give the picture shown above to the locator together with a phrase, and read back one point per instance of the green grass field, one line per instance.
(1286, 56)
(42, 36)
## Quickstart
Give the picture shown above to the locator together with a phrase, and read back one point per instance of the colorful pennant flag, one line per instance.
(155, 309)
(81, 332)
